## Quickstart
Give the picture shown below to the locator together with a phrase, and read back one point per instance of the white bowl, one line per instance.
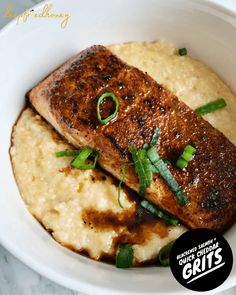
(29, 51)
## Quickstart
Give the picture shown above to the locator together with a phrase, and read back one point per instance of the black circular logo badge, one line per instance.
(201, 259)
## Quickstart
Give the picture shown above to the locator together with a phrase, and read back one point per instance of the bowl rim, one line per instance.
(82, 286)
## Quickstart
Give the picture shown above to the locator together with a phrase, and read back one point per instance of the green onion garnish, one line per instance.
(183, 51)
(167, 162)
(164, 254)
(145, 146)
(155, 137)
(211, 107)
(123, 167)
(100, 101)
(162, 168)
(67, 153)
(147, 161)
(185, 157)
(84, 154)
(124, 257)
(142, 168)
(157, 212)
(142, 155)
(181, 163)
(154, 140)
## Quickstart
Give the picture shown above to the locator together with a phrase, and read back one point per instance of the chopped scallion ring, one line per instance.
(85, 153)
(181, 163)
(124, 257)
(157, 212)
(183, 51)
(211, 107)
(185, 157)
(164, 254)
(100, 101)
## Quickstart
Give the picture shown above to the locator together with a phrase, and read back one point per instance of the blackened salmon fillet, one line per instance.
(68, 97)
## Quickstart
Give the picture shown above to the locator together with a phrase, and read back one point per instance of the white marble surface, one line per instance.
(15, 277)
(18, 279)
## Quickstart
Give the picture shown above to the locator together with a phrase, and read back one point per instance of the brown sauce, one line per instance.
(130, 227)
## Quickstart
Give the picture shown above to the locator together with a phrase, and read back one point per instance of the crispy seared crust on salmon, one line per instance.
(68, 97)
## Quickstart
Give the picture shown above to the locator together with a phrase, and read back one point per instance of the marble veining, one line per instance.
(17, 279)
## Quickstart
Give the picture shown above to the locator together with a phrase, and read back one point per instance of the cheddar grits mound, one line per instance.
(79, 207)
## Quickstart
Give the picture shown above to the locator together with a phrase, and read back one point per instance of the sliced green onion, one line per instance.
(120, 183)
(123, 167)
(188, 153)
(124, 257)
(157, 212)
(147, 161)
(138, 168)
(185, 157)
(190, 149)
(145, 146)
(154, 140)
(164, 254)
(211, 107)
(142, 155)
(153, 168)
(183, 51)
(167, 162)
(67, 153)
(153, 155)
(85, 153)
(100, 101)
(181, 198)
(142, 168)
(162, 168)
(170, 180)
(155, 137)
(181, 163)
